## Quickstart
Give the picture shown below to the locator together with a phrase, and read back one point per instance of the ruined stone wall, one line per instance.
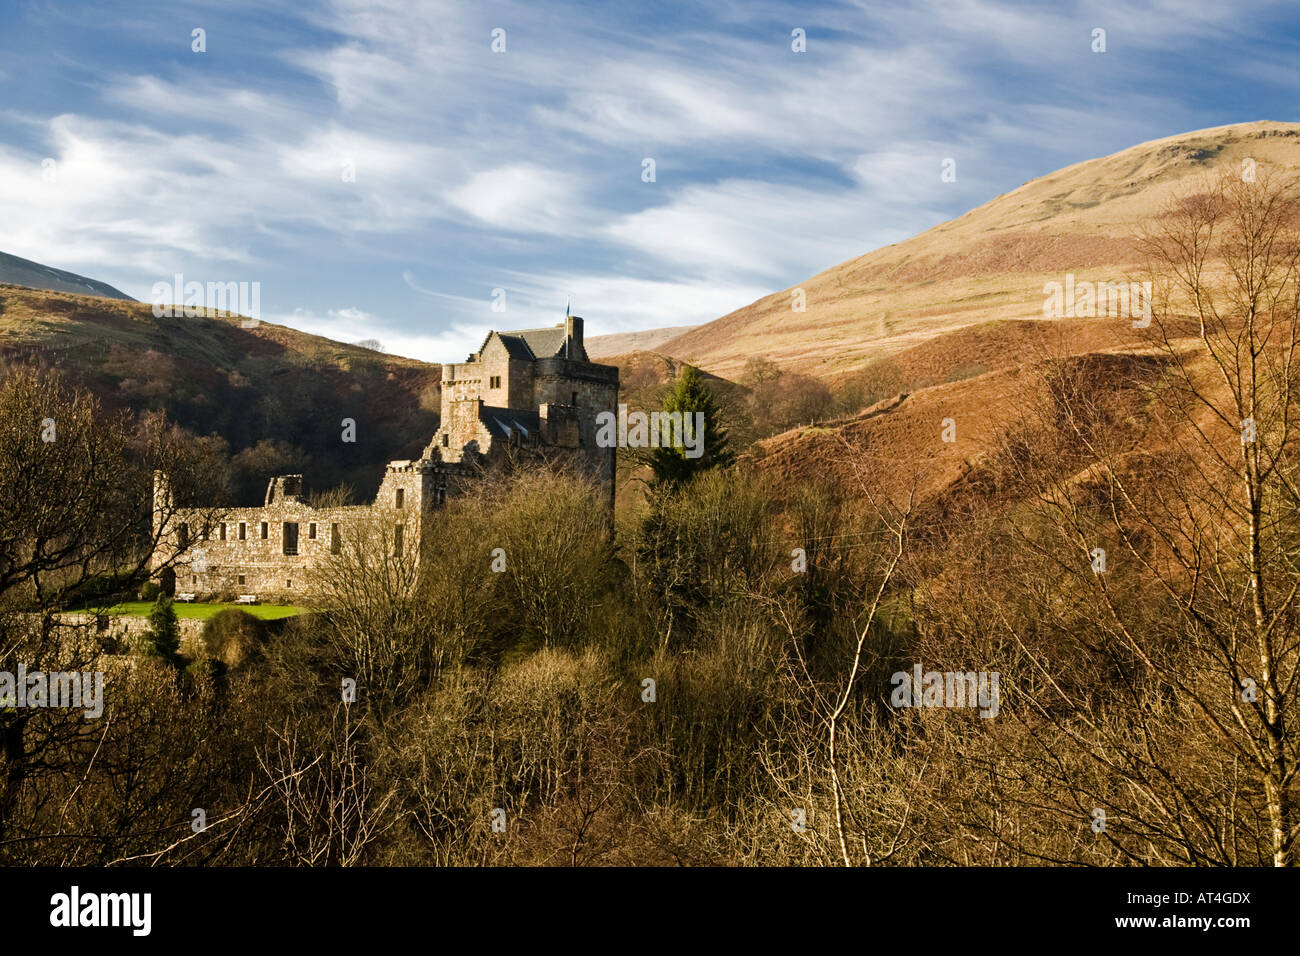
(235, 558)
(248, 550)
(93, 632)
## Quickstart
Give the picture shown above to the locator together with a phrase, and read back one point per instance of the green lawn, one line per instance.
(267, 612)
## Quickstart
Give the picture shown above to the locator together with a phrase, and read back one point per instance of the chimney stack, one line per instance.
(573, 329)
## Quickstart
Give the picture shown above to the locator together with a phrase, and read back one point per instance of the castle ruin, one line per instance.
(530, 390)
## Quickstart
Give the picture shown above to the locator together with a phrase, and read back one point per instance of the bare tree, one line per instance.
(75, 527)
(332, 807)
(377, 628)
(1152, 626)
(869, 813)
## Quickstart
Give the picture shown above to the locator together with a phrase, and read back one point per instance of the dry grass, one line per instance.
(989, 264)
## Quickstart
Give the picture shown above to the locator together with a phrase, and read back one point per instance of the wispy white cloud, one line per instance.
(387, 170)
(620, 303)
(350, 324)
(522, 197)
(757, 229)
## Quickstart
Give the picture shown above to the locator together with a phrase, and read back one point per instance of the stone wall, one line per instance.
(567, 395)
(461, 432)
(123, 630)
(252, 550)
(272, 551)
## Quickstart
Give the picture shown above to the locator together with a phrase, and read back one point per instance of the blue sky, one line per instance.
(128, 157)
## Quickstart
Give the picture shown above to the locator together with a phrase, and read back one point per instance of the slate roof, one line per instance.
(531, 343)
(543, 343)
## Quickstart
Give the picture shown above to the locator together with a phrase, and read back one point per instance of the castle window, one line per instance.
(494, 381)
(243, 531)
(288, 583)
(265, 526)
(194, 579)
(575, 399)
(241, 579)
(397, 540)
(223, 531)
(401, 495)
(289, 539)
(311, 531)
(184, 534)
(446, 439)
(335, 542)
(439, 495)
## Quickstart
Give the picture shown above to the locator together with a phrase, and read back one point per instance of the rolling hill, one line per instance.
(16, 271)
(600, 347)
(989, 264)
(276, 396)
(965, 340)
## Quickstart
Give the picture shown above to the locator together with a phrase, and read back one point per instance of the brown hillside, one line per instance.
(601, 347)
(642, 370)
(989, 264)
(898, 446)
(272, 392)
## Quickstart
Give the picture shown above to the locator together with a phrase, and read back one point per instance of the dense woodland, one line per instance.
(711, 682)
(267, 401)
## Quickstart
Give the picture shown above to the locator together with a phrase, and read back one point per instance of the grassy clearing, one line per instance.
(267, 612)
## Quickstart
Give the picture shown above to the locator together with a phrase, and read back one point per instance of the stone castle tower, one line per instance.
(533, 389)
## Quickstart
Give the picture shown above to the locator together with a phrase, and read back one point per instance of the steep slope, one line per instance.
(278, 397)
(989, 264)
(938, 443)
(16, 271)
(645, 370)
